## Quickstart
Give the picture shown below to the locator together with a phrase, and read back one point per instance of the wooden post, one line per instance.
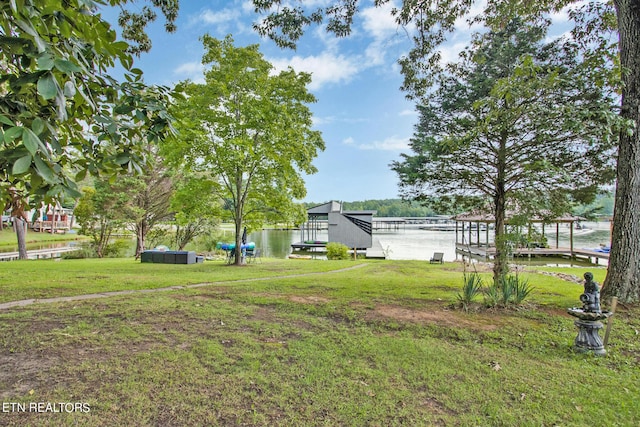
(614, 303)
(571, 239)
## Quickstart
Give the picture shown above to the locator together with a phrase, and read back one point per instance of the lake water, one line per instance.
(413, 243)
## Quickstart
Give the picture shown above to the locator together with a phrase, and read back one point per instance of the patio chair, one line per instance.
(437, 257)
(253, 255)
(231, 256)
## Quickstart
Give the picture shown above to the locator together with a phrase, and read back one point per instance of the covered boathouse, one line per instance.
(353, 229)
(471, 226)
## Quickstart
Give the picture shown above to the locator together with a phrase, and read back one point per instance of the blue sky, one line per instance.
(365, 120)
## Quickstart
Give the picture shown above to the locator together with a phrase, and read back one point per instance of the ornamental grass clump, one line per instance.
(508, 290)
(472, 286)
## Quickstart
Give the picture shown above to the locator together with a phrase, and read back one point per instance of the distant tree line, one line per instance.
(602, 206)
(385, 207)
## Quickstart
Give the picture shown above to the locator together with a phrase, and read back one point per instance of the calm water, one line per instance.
(412, 243)
(409, 243)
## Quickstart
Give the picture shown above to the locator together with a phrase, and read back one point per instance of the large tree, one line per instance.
(150, 199)
(251, 128)
(62, 115)
(623, 275)
(432, 20)
(197, 206)
(515, 125)
(102, 210)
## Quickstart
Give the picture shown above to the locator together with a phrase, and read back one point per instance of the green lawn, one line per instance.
(294, 342)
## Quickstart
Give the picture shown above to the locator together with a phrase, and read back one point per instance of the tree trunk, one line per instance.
(141, 235)
(623, 276)
(500, 266)
(20, 226)
(239, 207)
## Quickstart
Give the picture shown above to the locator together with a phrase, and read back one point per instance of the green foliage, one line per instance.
(388, 207)
(84, 251)
(514, 127)
(62, 115)
(337, 251)
(472, 286)
(104, 209)
(197, 207)
(117, 248)
(510, 289)
(249, 132)
(521, 290)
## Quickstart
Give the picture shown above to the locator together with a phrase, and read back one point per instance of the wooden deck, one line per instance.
(484, 252)
(376, 251)
(302, 246)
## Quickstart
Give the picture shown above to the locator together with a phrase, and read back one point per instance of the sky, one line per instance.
(365, 119)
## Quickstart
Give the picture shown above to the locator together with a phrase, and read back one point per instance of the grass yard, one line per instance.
(302, 343)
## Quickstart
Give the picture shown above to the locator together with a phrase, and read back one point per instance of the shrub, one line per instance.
(84, 251)
(337, 250)
(117, 249)
(470, 289)
(521, 290)
(509, 290)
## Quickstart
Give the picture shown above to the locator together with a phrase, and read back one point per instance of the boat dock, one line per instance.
(591, 255)
(376, 251)
(38, 253)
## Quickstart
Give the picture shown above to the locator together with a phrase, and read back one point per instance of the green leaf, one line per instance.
(30, 140)
(67, 66)
(81, 175)
(21, 165)
(45, 171)
(45, 61)
(6, 121)
(37, 126)
(123, 109)
(12, 133)
(122, 158)
(47, 86)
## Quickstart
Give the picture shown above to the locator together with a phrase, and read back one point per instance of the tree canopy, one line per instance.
(431, 21)
(62, 115)
(251, 129)
(515, 125)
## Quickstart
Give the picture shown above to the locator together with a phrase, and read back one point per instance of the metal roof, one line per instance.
(487, 217)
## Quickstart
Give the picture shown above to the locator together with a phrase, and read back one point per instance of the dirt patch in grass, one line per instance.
(308, 299)
(21, 371)
(430, 315)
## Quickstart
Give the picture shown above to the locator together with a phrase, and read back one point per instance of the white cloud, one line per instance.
(223, 22)
(393, 143)
(380, 25)
(408, 113)
(218, 17)
(462, 24)
(325, 68)
(348, 141)
(378, 21)
(193, 71)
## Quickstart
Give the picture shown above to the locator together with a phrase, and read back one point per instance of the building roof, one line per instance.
(334, 206)
(487, 217)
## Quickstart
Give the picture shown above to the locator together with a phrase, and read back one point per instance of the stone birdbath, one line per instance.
(589, 319)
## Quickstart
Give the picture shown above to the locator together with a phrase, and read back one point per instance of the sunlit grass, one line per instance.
(376, 345)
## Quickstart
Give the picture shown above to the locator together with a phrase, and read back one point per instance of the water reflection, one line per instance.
(412, 243)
